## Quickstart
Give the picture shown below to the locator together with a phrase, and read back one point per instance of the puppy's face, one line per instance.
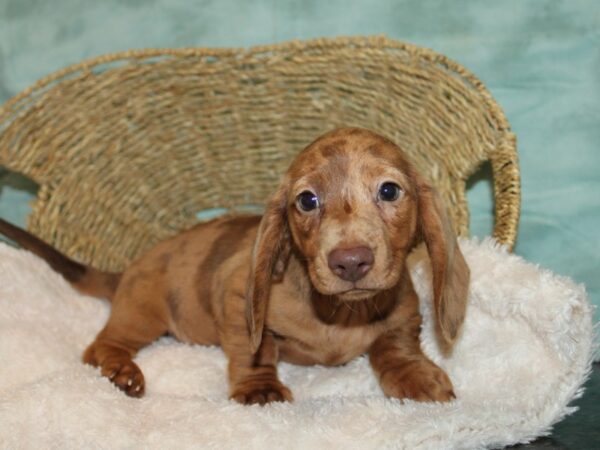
(354, 207)
(352, 212)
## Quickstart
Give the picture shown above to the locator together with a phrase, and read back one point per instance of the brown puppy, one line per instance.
(320, 279)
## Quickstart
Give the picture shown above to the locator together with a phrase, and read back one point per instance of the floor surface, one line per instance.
(581, 430)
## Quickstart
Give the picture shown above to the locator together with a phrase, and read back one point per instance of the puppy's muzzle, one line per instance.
(351, 264)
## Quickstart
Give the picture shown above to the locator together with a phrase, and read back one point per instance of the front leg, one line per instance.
(403, 369)
(252, 378)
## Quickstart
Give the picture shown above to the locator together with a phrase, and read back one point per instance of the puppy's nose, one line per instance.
(351, 264)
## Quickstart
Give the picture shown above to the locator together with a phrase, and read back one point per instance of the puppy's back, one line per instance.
(185, 275)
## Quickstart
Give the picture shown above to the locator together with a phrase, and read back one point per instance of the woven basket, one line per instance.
(128, 147)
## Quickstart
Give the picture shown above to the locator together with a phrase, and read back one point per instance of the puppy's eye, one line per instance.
(388, 192)
(307, 201)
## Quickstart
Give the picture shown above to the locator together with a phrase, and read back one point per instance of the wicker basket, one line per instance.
(128, 147)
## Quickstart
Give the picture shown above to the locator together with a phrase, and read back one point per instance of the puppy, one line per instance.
(321, 278)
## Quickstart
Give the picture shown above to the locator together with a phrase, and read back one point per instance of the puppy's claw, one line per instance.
(262, 393)
(425, 383)
(126, 375)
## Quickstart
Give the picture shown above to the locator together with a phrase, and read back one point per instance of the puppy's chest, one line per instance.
(304, 339)
(330, 348)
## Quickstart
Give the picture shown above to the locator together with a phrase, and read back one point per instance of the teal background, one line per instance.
(539, 58)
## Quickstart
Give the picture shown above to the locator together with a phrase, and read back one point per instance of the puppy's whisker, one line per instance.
(333, 312)
(374, 303)
(348, 306)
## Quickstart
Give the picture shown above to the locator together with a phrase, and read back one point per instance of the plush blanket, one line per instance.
(523, 356)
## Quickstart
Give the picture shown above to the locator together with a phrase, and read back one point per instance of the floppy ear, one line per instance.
(449, 268)
(269, 258)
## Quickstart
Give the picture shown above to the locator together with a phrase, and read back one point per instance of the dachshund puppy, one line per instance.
(321, 278)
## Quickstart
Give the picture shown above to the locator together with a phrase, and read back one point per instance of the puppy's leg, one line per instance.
(402, 368)
(129, 328)
(252, 378)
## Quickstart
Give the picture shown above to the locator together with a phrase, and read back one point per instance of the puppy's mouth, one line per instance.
(356, 294)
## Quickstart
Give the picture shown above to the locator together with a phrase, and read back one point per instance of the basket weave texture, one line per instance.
(128, 147)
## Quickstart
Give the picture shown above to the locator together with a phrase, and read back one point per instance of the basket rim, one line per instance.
(376, 41)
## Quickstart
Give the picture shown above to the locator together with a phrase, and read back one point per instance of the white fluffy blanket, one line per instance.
(523, 356)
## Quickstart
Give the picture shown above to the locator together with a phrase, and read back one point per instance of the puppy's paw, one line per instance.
(126, 375)
(261, 392)
(419, 380)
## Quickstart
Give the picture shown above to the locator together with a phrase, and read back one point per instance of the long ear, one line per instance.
(450, 271)
(269, 257)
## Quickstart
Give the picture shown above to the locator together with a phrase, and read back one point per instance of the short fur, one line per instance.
(262, 289)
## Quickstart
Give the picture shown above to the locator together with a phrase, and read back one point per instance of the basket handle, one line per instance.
(507, 190)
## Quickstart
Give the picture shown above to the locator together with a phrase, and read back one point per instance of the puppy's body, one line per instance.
(189, 286)
(319, 279)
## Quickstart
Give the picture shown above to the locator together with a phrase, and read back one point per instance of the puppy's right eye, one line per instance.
(389, 192)
(307, 201)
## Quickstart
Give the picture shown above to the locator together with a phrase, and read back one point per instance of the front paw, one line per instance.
(419, 380)
(261, 392)
(126, 375)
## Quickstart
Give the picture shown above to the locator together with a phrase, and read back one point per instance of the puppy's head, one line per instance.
(353, 207)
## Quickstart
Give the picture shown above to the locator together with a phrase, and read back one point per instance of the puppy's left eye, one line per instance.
(388, 192)
(307, 201)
